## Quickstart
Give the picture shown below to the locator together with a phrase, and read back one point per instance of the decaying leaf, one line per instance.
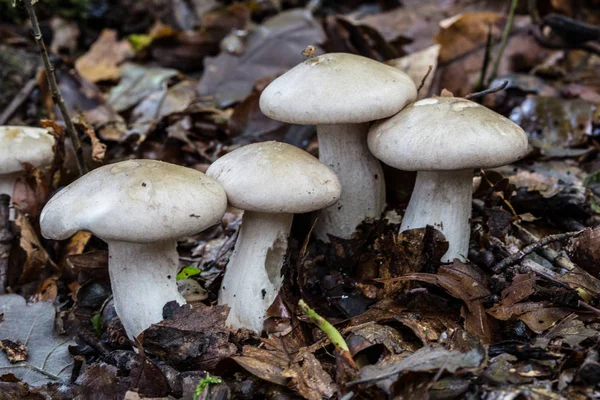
(426, 359)
(196, 337)
(48, 358)
(308, 377)
(416, 65)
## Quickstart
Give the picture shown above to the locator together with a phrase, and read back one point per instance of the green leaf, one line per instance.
(139, 41)
(207, 380)
(188, 272)
(97, 323)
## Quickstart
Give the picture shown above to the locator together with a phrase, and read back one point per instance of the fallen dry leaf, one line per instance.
(101, 62)
(416, 66)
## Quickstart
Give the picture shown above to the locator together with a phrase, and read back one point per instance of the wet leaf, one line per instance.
(585, 251)
(521, 287)
(544, 318)
(48, 357)
(308, 377)
(273, 48)
(264, 364)
(555, 126)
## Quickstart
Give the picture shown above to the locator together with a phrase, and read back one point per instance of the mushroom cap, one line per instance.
(24, 144)
(275, 177)
(444, 134)
(337, 88)
(138, 201)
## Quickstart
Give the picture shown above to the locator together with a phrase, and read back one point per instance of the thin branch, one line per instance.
(521, 254)
(487, 91)
(329, 330)
(505, 35)
(486, 60)
(54, 89)
(17, 101)
(429, 69)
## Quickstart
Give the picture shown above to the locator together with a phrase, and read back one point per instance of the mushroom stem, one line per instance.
(143, 280)
(443, 199)
(343, 148)
(253, 276)
(7, 183)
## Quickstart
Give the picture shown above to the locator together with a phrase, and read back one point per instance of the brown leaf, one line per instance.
(46, 291)
(505, 313)
(98, 148)
(308, 377)
(416, 66)
(101, 62)
(544, 318)
(264, 364)
(15, 351)
(521, 287)
(585, 251)
(36, 257)
(371, 334)
(195, 337)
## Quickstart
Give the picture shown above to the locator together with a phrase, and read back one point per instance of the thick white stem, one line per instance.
(253, 276)
(443, 200)
(343, 148)
(143, 280)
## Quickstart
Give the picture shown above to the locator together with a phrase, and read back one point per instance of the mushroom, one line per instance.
(271, 182)
(341, 93)
(140, 208)
(19, 145)
(444, 139)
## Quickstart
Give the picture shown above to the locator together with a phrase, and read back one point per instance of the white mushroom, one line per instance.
(341, 93)
(18, 145)
(444, 139)
(140, 208)
(271, 182)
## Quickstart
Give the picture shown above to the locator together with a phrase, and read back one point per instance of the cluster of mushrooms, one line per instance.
(141, 207)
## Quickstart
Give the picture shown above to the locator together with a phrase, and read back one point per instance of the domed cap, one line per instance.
(446, 133)
(275, 177)
(337, 88)
(137, 201)
(24, 144)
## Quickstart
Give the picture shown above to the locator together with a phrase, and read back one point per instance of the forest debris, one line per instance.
(195, 336)
(416, 65)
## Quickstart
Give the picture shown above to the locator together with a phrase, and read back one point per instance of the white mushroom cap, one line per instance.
(275, 177)
(24, 144)
(139, 201)
(446, 133)
(337, 88)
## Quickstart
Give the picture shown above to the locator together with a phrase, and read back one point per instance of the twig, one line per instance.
(505, 35)
(17, 100)
(533, 11)
(487, 91)
(429, 69)
(517, 257)
(329, 330)
(486, 60)
(588, 307)
(6, 239)
(546, 252)
(55, 90)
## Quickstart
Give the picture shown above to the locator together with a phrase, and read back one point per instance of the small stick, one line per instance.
(6, 239)
(505, 35)
(487, 91)
(517, 257)
(329, 330)
(546, 252)
(486, 60)
(429, 69)
(588, 307)
(17, 101)
(55, 90)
